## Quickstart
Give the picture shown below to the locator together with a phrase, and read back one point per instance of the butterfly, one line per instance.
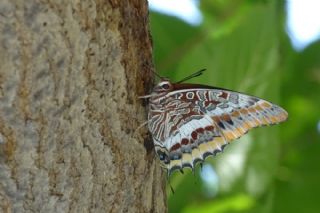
(190, 122)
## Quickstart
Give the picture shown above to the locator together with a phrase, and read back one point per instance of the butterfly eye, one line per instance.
(165, 86)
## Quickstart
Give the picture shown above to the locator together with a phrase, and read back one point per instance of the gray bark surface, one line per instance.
(70, 76)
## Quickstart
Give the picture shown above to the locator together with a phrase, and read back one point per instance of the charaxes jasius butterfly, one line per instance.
(190, 122)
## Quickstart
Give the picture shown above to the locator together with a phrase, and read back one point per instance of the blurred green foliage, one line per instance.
(244, 47)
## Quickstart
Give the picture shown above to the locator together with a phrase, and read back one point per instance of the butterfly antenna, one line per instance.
(196, 74)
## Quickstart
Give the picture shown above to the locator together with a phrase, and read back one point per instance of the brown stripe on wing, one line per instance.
(240, 121)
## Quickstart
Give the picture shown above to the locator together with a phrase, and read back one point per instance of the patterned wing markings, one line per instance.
(191, 143)
(238, 122)
(199, 122)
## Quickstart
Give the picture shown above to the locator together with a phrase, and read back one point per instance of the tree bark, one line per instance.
(70, 76)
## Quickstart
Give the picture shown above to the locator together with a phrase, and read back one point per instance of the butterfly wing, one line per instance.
(183, 135)
(194, 123)
(235, 113)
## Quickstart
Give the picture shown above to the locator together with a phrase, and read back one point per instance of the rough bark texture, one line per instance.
(70, 74)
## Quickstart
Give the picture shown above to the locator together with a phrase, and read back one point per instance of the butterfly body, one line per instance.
(190, 122)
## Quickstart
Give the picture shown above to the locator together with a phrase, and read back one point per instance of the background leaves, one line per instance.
(244, 47)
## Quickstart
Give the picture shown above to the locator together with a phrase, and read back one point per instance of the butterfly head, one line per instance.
(163, 86)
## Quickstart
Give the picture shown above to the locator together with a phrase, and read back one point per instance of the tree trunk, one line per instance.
(70, 76)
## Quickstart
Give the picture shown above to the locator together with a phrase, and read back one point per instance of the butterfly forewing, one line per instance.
(190, 122)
